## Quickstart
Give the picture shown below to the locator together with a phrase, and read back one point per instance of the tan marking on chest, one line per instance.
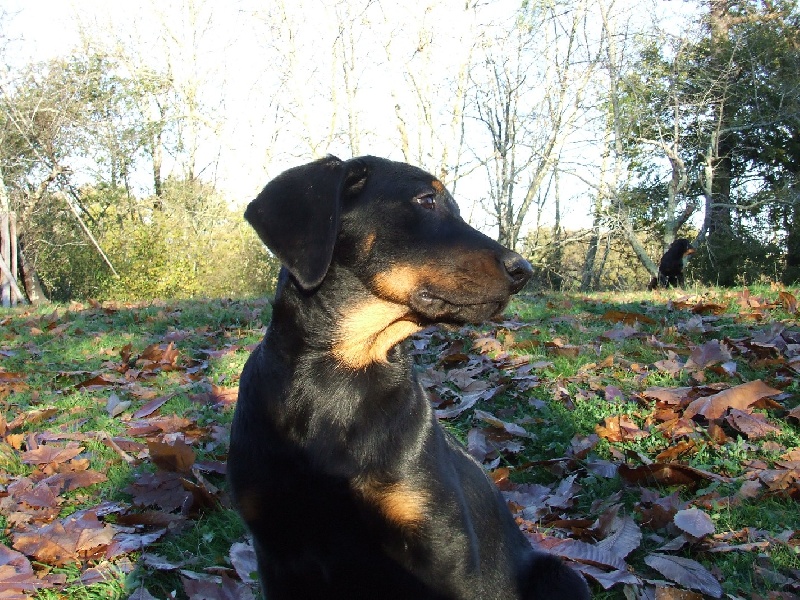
(368, 330)
(250, 506)
(369, 241)
(399, 503)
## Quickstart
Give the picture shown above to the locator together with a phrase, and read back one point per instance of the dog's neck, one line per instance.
(310, 337)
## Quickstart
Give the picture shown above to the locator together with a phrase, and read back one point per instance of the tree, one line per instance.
(528, 90)
(64, 123)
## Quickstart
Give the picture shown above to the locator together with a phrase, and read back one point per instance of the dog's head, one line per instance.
(394, 227)
(681, 247)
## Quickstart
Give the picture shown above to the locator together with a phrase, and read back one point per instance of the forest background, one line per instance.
(586, 134)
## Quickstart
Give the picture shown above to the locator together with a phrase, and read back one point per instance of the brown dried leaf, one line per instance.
(124, 543)
(611, 578)
(97, 382)
(707, 354)
(162, 489)
(788, 301)
(72, 480)
(685, 572)
(17, 578)
(476, 444)
(243, 559)
(694, 521)
(562, 349)
(754, 426)
(667, 474)
(619, 316)
(672, 593)
(115, 406)
(618, 428)
(485, 345)
(151, 407)
(676, 451)
(624, 538)
(178, 457)
(704, 308)
(79, 536)
(741, 396)
(591, 554)
(32, 416)
(511, 428)
(51, 453)
(202, 588)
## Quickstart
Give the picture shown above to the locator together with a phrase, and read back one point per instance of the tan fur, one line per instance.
(369, 242)
(368, 331)
(398, 502)
(250, 506)
(437, 185)
(399, 282)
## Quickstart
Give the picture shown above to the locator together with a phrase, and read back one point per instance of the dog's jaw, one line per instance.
(369, 329)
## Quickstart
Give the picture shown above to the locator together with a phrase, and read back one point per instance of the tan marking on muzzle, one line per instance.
(368, 330)
(480, 271)
(398, 283)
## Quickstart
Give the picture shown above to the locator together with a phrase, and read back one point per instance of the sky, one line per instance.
(253, 144)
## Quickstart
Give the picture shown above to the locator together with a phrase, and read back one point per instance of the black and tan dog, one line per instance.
(670, 267)
(350, 487)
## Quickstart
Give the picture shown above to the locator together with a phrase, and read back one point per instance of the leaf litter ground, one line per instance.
(652, 441)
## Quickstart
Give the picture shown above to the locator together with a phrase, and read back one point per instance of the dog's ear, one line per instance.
(297, 214)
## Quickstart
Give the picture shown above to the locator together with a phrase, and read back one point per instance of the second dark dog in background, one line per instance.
(670, 269)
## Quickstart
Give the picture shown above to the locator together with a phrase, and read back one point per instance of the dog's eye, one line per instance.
(427, 201)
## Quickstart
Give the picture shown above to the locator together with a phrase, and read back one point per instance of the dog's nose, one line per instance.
(519, 270)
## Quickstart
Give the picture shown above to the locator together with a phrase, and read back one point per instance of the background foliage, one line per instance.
(576, 131)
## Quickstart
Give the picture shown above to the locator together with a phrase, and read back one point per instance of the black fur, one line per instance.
(670, 268)
(350, 487)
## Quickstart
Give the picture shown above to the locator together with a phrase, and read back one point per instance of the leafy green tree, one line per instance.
(728, 102)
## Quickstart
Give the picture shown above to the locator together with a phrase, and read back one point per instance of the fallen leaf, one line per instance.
(151, 407)
(667, 474)
(243, 559)
(741, 396)
(619, 316)
(51, 453)
(79, 536)
(685, 572)
(115, 406)
(178, 457)
(754, 426)
(694, 521)
(589, 553)
(624, 538)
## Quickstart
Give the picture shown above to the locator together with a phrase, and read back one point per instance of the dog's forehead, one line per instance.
(402, 180)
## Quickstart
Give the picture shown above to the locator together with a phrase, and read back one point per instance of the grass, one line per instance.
(54, 349)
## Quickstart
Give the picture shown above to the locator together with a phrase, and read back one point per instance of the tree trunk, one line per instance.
(30, 280)
(717, 225)
(791, 273)
(587, 276)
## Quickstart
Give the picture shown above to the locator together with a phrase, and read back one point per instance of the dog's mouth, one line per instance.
(435, 307)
